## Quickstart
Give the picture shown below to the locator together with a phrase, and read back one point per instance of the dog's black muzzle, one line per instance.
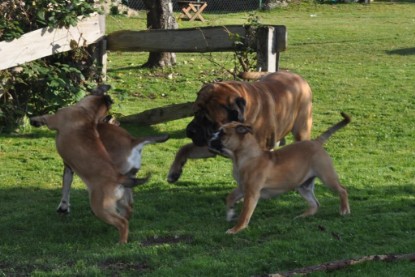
(200, 130)
(215, 143)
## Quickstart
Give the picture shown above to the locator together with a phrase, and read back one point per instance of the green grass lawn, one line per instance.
(358, 58)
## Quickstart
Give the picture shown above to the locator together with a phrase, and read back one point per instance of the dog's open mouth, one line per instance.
(215, 144)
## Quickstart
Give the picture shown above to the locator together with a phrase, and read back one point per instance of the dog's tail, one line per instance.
(131, 182)
(327, 134)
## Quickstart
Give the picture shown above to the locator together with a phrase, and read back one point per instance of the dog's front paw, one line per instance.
(174, 176)
(63, 211)
(345, 211)
(232, 231)
(63, 208)
(230, 215)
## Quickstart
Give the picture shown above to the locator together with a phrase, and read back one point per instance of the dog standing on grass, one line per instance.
(78, 143)
(264, 174)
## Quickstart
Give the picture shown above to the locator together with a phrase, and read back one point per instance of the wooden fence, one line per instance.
(48, 41)
(267, 41)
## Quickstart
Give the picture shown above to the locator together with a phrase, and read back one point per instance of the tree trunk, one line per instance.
(160, 16)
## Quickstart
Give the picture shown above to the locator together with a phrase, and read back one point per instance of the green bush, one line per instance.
(46, 84)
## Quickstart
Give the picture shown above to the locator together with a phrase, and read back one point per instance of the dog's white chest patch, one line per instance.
(134, 160)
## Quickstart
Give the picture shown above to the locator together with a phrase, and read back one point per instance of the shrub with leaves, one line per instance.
(46, 84)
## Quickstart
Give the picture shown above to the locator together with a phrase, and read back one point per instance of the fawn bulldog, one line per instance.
(78, 143)
(264, 174)
(277, 104)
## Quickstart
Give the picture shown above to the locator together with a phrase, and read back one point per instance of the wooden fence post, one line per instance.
(270, 42)
(102, 57)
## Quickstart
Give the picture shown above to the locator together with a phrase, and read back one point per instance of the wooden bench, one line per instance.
(192, 10)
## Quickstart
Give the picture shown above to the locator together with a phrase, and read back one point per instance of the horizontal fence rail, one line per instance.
(204, 39)
(267, 41)
(212, 5)
(48, 41)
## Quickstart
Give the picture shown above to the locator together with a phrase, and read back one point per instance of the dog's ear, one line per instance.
(243, 129)
(100, 90)
(107, 100)
(237, 109)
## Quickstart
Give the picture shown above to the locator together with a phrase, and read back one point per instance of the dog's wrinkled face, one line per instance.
(229, 138)
(212, 109)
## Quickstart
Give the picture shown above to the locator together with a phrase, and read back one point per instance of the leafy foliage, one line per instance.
(44, 85)
(245, 55)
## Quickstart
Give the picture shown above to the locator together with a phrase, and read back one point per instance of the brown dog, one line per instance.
(79, 144)
(263, 174)
(125, 153)
(274, 106)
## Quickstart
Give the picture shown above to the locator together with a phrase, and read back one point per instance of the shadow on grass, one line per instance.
(126, 68)
(402, 51)
(162, 216)
(134, 129)
(38, 220)
(36, 133)
(145, 130)
(34, 229)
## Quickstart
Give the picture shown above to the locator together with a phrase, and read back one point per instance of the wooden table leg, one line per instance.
(198, 9)
(185, 12)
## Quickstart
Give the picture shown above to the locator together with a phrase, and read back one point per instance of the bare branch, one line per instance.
(336, 265)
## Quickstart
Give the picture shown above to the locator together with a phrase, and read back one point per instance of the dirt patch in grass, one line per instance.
(167, 240)
(117, 266)
(9, 269)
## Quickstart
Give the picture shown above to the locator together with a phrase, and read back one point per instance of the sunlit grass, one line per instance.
(357, 58)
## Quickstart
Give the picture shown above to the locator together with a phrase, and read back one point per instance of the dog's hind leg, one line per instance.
(188, 151)
(64, 205)
(303, 124)
(105, 208)
(125, 204)
(306, 190)
(342, 192)
(330, 179)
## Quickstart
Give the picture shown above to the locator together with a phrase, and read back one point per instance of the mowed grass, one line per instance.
(357, 58)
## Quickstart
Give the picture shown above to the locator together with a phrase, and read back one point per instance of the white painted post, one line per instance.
(270, 42)
(266, 54)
